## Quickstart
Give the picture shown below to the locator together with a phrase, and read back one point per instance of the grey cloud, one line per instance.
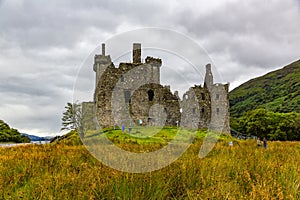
(44, 44)
(256, 34)
(32, 116)
(37, 84)
(35, 24)
(35, 100)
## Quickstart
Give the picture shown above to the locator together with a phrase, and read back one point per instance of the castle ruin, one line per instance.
(132, 95)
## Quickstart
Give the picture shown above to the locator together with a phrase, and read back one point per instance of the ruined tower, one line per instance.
(219, 102)
(101, 62)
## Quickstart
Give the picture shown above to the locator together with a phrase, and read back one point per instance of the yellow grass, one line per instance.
(243, 171)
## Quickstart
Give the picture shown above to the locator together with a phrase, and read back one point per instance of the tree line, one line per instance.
(259, 122)
(263, 123)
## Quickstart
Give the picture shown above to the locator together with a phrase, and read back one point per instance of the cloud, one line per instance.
(44, 45)
(257, 33)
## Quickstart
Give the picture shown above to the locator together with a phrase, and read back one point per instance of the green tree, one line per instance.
(8, 134)
(275, 126)
(254, 123)
(71, 118)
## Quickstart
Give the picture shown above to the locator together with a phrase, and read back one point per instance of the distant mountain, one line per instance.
(8, 134)
(37, 138)
(277, 91)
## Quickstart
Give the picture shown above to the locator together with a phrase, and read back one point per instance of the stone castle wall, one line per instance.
(132, 95)
(220, 108)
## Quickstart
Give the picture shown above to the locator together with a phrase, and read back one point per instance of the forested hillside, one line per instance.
(8, 134)
(268, 106)
(277, 91)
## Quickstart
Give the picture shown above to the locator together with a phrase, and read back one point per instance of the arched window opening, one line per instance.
(150, 95)
(202, 96)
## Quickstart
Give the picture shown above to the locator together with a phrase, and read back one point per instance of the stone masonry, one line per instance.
(131, 95)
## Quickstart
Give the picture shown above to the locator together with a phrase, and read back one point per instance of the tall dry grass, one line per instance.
(243, 171)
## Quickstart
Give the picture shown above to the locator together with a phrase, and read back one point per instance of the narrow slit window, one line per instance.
(194, 110)
(202, 110)
(127, 96)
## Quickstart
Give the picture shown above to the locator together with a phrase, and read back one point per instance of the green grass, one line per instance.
(145, 135)
(145, 138)
(244, 171)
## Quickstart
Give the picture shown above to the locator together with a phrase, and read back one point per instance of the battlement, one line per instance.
(153, 61)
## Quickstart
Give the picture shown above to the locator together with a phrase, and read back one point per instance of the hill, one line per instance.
(71, 138)
(8, 134)
(277, 91)
(37, 138)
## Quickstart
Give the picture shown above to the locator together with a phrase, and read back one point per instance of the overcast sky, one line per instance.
(44, 44)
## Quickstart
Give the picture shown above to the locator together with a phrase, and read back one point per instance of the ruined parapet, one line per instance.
(153, 61)
(177, 94)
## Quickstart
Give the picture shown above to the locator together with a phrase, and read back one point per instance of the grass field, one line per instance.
(244, 171)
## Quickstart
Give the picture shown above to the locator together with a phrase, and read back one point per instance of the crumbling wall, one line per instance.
(116, 86)
(103, 94)
(88, 117)
(220, 108)
(196, 108)
(132, 93)
(155, 105)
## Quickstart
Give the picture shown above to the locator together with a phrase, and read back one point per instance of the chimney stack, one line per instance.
(103, 49)
(209, 79)
(136, 53)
